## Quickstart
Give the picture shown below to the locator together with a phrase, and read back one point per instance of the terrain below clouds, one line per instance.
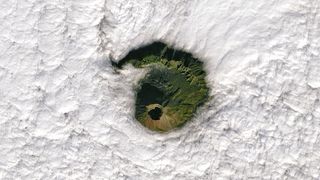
(67, 113)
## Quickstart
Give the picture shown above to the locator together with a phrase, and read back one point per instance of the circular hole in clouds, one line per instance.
(173, 88)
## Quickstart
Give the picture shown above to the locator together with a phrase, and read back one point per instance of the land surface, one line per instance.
(175, 85)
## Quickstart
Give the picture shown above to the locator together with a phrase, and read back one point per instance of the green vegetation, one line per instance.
(173, 88)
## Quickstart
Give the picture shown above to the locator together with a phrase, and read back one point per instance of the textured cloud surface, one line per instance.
(65, 113)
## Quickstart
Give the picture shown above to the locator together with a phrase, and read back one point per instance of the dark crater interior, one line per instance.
(155, 113)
